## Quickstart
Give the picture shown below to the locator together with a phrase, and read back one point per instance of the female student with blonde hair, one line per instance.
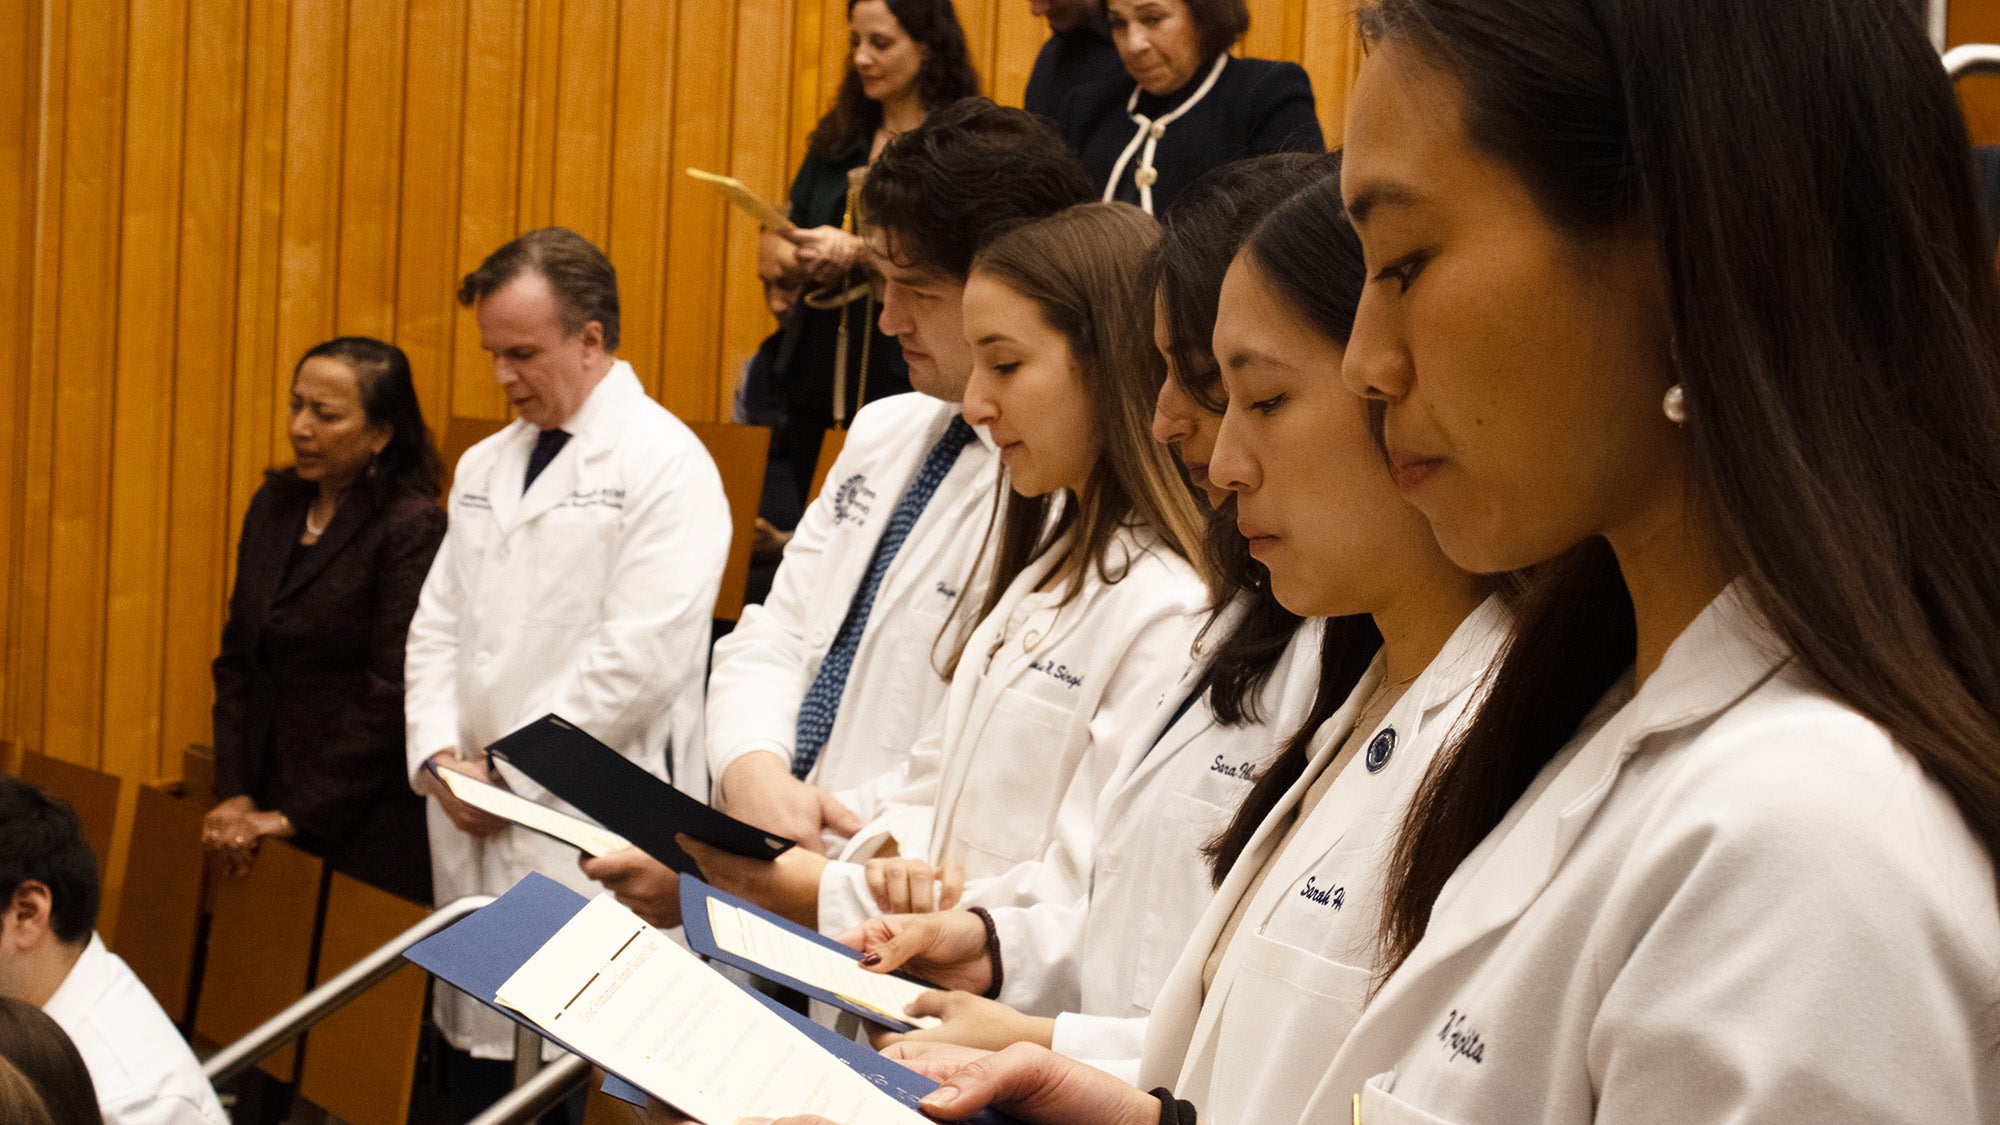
(1093, 605)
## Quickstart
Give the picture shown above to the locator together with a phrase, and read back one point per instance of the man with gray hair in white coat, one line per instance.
(577, 577)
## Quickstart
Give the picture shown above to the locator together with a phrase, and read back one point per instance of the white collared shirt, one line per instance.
(142, 1068)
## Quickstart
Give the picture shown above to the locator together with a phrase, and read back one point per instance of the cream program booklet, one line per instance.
(509, 805)
(651, 1012)
(749, 936)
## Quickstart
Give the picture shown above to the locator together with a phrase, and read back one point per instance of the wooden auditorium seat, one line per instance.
(92, 794)
(159, 913)
(197, 782)
(260, 942)
(740, 453)
(829, 449)
(361, 1062)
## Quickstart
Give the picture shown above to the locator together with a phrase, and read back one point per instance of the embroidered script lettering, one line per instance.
(1244, 770)
(1460, 1041)
(1336, 897)
(1057, 671)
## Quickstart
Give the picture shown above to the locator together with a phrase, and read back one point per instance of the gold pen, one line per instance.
(1357, 1109)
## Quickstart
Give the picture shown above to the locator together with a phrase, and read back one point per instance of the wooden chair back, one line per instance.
(10, 758)
(92, 794)
(260, 941)
(198, 775)
(740, 453)
(361, 1062)
(829, 449)
(159, 913)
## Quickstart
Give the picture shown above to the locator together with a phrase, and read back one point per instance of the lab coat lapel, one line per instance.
(504, 473)
(1706, 670)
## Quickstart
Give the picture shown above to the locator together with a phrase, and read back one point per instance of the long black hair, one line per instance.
(1805, 170)
(388, 396)
(945, 76)
(1311, 256)
(1204, 228)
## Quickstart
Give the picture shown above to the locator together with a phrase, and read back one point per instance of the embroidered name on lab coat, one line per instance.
(1460, 1041)
(1334, 897)
(1247, 771)
(475, 501)
(947, 591)
(1057, 671)
(853, 500)
(613, 498)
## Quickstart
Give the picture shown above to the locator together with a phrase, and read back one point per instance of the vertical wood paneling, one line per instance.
(198, 190)
(20, 74)
(428, 227)
(496, 41)
(86, 318)
(371, 159)
(149, 248)
(199, 532)
(640, 181)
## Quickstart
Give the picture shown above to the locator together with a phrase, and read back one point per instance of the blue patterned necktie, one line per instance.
(548, 443)
(823, 698)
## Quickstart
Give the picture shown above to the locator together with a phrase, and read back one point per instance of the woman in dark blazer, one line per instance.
(309, 683)
(1184, 104)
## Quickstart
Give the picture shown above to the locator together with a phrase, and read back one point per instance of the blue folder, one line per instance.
(701, 938)
(478, 954)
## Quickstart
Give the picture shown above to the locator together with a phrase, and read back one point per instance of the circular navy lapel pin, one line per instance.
(1379, 749)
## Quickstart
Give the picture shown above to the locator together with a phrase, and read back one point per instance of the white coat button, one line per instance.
(1145, 176)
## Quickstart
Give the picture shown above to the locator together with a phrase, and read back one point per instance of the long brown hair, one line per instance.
(1084, 270)
(1837, 334)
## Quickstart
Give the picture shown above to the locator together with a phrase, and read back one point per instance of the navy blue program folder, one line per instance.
(478, 954)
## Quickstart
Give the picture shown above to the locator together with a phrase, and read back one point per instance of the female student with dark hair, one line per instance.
(309, 682)
(906, 59)
(1251, 679)
(1092, 604)
(1686, 301)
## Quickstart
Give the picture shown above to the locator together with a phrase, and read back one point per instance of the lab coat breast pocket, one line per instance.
(1175, 880)
(1380, 1107)
(1020, 769)
(1284, 1018)
(1332, 910)
(573, 559)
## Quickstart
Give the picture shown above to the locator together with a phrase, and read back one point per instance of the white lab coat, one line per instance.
(894, 690)
(1097, 961)
(591, 596)
(1042, 703)
(1294, 976)
(1735, 900)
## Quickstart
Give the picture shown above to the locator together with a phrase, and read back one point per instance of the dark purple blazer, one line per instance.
(309, 683)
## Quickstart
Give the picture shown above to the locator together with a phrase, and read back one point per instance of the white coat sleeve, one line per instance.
(763, 668)
(1795, 943)
(1110, 1043)
(430, 660)
(649, 650)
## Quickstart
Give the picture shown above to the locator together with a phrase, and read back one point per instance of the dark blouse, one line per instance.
(309, 682)
(1070, 60)
(1256, 106)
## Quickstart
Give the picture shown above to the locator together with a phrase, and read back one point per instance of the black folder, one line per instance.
(613, 790)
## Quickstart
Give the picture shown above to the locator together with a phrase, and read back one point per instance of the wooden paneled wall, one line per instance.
(192, 192)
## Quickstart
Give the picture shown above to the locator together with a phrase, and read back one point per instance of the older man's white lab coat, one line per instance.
(591, 596)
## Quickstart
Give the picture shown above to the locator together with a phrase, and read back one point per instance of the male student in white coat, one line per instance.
(829, 682)
(578, 576)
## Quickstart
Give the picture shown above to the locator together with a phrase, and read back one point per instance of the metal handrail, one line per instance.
(539, 1094)
(328, 998)
(1971, 59)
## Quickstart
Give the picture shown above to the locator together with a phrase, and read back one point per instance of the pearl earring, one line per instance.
(1674, 405)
